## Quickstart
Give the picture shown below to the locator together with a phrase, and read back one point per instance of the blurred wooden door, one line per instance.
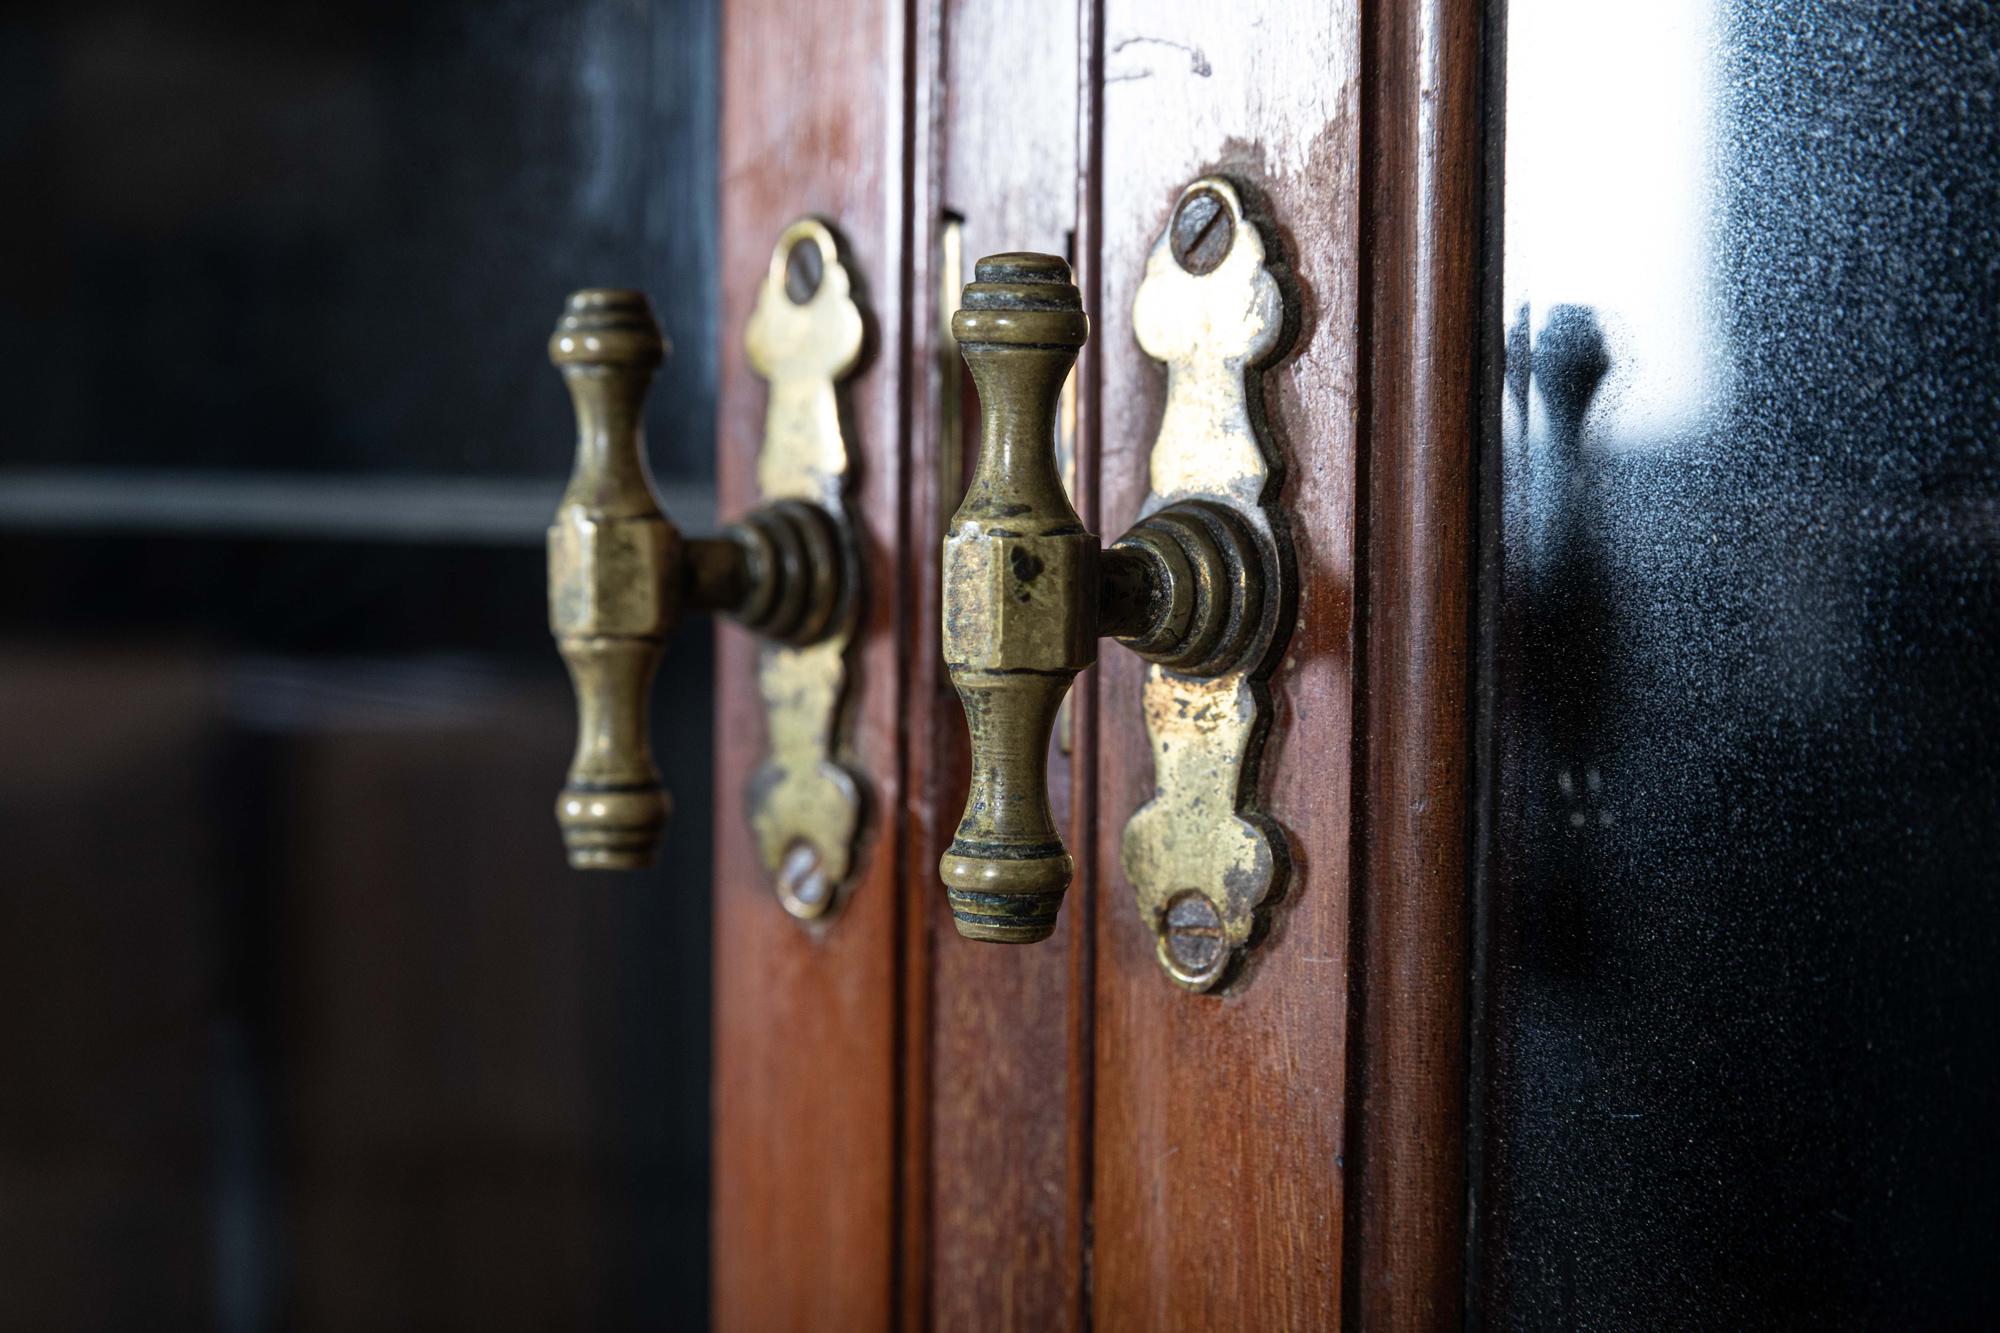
(917, 1131)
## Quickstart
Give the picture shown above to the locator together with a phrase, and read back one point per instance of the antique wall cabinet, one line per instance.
(1533, 856)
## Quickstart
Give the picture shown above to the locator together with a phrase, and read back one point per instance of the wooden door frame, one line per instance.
(1427, 337)
(826, 1041)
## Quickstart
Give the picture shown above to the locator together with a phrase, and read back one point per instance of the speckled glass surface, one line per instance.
(1738, 1045)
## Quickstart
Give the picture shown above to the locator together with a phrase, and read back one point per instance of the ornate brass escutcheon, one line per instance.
(620, 575)
(1200, 586)
(804, 338)
(1200, 856)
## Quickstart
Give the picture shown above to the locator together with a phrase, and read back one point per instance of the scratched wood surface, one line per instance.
(1007, 1053)
(1219, 1160)
(806, 1022)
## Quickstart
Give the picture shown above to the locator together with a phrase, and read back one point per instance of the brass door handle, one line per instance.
(1199, 587)
(621, 576)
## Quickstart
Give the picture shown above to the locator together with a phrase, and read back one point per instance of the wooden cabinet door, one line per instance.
(918, 1131)
(1723, 1054)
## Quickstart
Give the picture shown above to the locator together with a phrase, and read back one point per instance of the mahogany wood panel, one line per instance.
(927, 739)
(1007, 1134)
(1422, 176)
(1219, 1159)
(814, 119)
(919, 1131)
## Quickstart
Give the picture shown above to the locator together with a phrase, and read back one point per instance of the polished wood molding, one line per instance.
(1423, 185)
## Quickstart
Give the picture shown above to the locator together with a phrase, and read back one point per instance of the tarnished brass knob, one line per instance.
(621, 575)
(1027, 592)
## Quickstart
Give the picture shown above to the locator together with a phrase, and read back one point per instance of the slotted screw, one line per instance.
(1202, 233)
(1194, 933)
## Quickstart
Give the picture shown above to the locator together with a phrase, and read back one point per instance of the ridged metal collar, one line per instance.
(603, 325)
(1022, 300)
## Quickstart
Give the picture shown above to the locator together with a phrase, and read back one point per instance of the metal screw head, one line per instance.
(1192, 935)
(804, 267)
(1202, 232)
(802, 885)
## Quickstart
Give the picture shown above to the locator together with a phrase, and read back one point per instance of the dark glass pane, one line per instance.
(304, 1022)
(1741, 1058)
(335, 236)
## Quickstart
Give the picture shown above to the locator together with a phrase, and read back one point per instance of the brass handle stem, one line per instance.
(1020, 599)
(1027, 592)
(610, 602)
(620, 576)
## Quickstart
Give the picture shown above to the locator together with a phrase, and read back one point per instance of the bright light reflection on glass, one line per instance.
(1610, 197)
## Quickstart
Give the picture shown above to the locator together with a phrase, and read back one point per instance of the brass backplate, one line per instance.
(1200, 855)
(805, 337)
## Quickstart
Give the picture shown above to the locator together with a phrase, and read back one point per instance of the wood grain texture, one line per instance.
(807, 1093)
(1422, 177)
(1219, 1184)
(916, 1130)
(1007, 1055)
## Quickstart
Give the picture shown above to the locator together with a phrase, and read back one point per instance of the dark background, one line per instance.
(1740, 1019)
(303, 1021)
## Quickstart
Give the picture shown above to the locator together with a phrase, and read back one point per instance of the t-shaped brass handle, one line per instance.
(620, 575)
(1027, 592)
